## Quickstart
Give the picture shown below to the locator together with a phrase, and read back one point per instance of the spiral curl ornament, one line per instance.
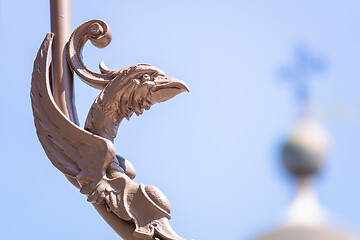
(99, 34)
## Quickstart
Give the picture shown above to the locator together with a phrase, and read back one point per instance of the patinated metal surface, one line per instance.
(88, 156)
(60, 14)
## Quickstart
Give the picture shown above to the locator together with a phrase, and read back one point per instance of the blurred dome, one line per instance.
(303, 155)
(306, 233)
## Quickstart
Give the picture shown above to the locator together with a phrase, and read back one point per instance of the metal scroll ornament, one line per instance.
(88, 156)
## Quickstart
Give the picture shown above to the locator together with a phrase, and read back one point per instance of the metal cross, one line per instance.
(299, 72)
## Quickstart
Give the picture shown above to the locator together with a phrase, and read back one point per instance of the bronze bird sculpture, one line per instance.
(88, 156)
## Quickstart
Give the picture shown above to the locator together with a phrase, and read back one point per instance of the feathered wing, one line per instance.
(75, 152)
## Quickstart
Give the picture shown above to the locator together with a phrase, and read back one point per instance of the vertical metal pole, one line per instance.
(63, 90)
(60, 11)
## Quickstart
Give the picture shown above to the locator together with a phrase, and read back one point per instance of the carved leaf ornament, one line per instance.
(87, 157)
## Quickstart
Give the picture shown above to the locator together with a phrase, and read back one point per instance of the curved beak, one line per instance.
(165, 88)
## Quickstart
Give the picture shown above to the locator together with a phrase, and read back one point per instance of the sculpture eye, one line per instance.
(146, 77)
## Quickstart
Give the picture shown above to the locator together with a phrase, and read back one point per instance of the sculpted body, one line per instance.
(87, 156)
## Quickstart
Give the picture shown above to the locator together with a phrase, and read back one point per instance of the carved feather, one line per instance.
(74, 151)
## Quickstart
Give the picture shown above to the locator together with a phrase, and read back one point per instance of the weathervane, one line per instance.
(87, 157)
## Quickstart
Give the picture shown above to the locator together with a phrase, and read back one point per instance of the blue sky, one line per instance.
(214, 151)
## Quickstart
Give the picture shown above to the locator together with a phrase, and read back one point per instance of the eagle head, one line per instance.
(160, 87)
(138, 87)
